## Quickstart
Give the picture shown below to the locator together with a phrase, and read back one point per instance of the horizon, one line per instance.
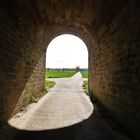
(66, 68)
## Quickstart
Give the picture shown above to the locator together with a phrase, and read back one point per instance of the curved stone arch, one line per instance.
(82, 33)
(56, 30)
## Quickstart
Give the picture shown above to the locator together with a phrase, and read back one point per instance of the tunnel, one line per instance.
(111, 32)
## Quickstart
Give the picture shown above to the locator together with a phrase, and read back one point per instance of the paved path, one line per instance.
(65, 113)
(65, 104)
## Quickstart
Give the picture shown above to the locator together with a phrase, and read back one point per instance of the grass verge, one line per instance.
(85, 86)
(49, 84)
(84, 74)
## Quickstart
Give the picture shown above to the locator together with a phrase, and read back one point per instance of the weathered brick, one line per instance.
(110, 32)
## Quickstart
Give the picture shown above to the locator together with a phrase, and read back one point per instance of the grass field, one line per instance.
(84, 74)
(59, 73)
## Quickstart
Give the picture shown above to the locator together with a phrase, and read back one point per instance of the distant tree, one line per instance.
(77, 68)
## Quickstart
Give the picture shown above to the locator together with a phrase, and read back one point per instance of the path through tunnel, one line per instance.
(110, 29)
(66, 103)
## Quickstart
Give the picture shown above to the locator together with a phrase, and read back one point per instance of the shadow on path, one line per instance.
(93, 128)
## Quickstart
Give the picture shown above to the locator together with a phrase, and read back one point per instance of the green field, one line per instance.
(84, 74)
(59, 73)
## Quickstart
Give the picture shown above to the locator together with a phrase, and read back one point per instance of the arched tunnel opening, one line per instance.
(110, 29)
(67, 51)
(66, 54)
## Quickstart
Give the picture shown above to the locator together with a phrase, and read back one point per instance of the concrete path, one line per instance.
(65, 113)
(65, 104)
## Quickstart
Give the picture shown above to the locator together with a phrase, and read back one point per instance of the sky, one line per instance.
(66, 51)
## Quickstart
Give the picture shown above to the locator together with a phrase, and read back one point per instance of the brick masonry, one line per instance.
(110, 30)
(114, 65)
(21, 61)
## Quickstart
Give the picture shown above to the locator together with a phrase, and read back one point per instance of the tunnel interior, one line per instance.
(110, 30)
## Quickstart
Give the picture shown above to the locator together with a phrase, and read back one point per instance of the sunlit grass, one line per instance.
(84, 74)
(49, 84)
(85, 86)
(59, 73)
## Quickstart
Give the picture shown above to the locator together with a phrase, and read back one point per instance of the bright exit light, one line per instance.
(67, 51)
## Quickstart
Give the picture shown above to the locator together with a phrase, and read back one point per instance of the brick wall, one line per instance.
(114, 69)
(115, 64)
(21, 61)
(34, 86)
